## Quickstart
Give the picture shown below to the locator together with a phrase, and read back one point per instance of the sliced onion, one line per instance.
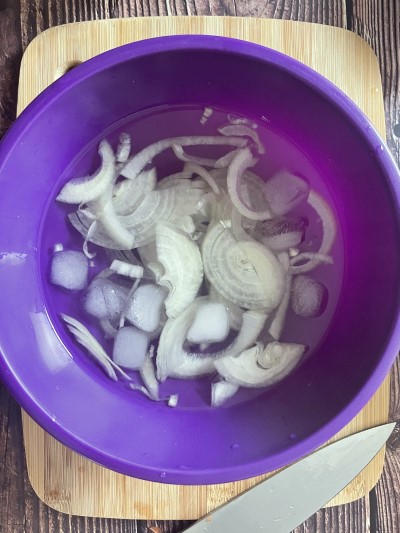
(312, 260)
(126, 269)
(236, 169)
(183, 156)
(124, 148)
(242, 130)
(183, 270)
(148, 375)
(245, 273)
(128, 195)
(174, 361)
(221, 391)
(204, 174)
(90, 188)
(246, 370)
(329, 230)
(88, 341)
(157, 205)
(138, 162)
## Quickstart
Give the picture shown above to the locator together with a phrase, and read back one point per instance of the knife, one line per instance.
(287, 499)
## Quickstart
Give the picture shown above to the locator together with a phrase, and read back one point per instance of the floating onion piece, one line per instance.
(174, 361)
(183, 156)
(242, 160)
(126, 269)
(242, 130)
(245, 273)
(90, 188)
(128, 194)
(183, 270)
(88, 341)
(313, 260)
(329, 230)
(173, 400)
(309, 297)
(226, 159)
(205, 175)
(158, 205)
(100, 234)
(284, 191)
(124, 148)
(207, 112)
(221, 391)
(148, 375)
(233, 119)
(247, 370)
(138, 162)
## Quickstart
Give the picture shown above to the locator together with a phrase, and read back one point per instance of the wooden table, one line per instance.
(378, 22)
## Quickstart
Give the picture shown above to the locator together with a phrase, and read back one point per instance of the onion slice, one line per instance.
(221, 391)
(174, 361)
(329, 230)
(242, 160)
(90, 188)
(244, 272)
(180, 257)
(242, 130)
(247, 370)
(138, 162)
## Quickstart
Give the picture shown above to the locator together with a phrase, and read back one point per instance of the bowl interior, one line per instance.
(332, 146)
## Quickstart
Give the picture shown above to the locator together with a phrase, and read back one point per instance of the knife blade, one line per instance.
(287, 499)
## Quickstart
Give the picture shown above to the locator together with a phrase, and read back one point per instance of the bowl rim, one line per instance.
(319, 84)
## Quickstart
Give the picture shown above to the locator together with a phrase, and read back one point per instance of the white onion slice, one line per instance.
(242, 160)
(126, 269)
(174, 361)
(148, 375)
(183, 156)
(124, 148)
(243, 272)
(242, 130)
(246, 370)
(138, 162)
(128, 194)
(329, 230)
(90, 188)
(221, 391)
(183, 270)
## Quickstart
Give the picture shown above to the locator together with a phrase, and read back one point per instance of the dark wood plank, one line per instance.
(379, 24)
(20, 20)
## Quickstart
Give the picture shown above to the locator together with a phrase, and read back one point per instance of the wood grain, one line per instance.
(20, 20)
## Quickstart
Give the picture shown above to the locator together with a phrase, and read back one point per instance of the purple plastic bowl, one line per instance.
(197, 445)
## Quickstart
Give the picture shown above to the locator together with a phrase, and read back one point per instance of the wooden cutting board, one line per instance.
(65, 480)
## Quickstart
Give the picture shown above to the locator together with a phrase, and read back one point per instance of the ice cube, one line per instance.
(69, 269)
(105, 299)
(130, 347)
(211, 324)
(309, 297)
(144, 309)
